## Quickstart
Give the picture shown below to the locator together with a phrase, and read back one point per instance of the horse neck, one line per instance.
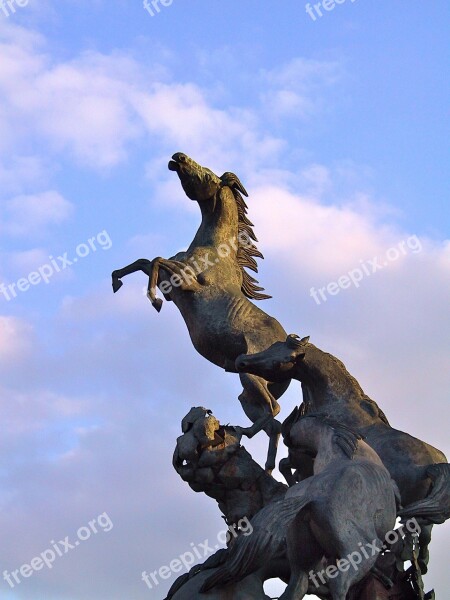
(318, 439)
(326, 378)
(220, 222)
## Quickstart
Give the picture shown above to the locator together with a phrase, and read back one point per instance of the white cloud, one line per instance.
(94, 105)
(30, 214)
(325, 238)
(27, 261)
(25, 413)
(19, 172)
(296, 89)
(16, 337)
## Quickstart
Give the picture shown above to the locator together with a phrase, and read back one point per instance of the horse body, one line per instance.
(222, 322)
(220, 318)
(406, 457)
(210, 287)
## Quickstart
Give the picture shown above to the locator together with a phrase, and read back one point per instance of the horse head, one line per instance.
(276, 362)
(200, 183)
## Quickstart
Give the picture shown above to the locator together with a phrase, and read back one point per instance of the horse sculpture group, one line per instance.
(346, 464)
(318, 515)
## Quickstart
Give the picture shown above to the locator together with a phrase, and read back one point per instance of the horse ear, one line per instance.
(232, 181)
(305, 340)
(289, 422)
(293, 341)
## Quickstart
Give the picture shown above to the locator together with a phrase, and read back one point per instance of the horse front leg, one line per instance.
(285, 468)
(143, 264)
(182, 276)
(152, 283)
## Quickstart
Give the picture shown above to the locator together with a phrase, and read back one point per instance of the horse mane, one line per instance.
(369, 405)
(345, 437)
(247, 250)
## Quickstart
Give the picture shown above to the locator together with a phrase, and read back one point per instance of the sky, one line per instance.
(337, 125)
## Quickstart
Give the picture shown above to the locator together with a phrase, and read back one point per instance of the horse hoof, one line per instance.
(116, 285)
(157, 304)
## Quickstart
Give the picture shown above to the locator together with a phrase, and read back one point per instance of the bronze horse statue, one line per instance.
(211, 288)
(420, 470)
(350, 501)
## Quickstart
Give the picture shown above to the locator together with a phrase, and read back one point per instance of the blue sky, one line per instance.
(338, 129)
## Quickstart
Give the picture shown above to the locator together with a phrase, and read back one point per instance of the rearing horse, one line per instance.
(209, 285)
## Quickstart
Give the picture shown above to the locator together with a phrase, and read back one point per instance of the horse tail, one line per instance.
(250, 553)
(435, 508)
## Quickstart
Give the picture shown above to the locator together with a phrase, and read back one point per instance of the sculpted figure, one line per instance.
(350, 501)
(350, 465)
(329, 389)
(210, 458)
(211, 288)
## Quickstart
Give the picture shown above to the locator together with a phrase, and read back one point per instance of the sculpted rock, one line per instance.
(210, 458)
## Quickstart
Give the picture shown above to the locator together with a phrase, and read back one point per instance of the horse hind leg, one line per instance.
(182, 276)
(273, 430)
(342, 581)
(297, 590)
(304, 555)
